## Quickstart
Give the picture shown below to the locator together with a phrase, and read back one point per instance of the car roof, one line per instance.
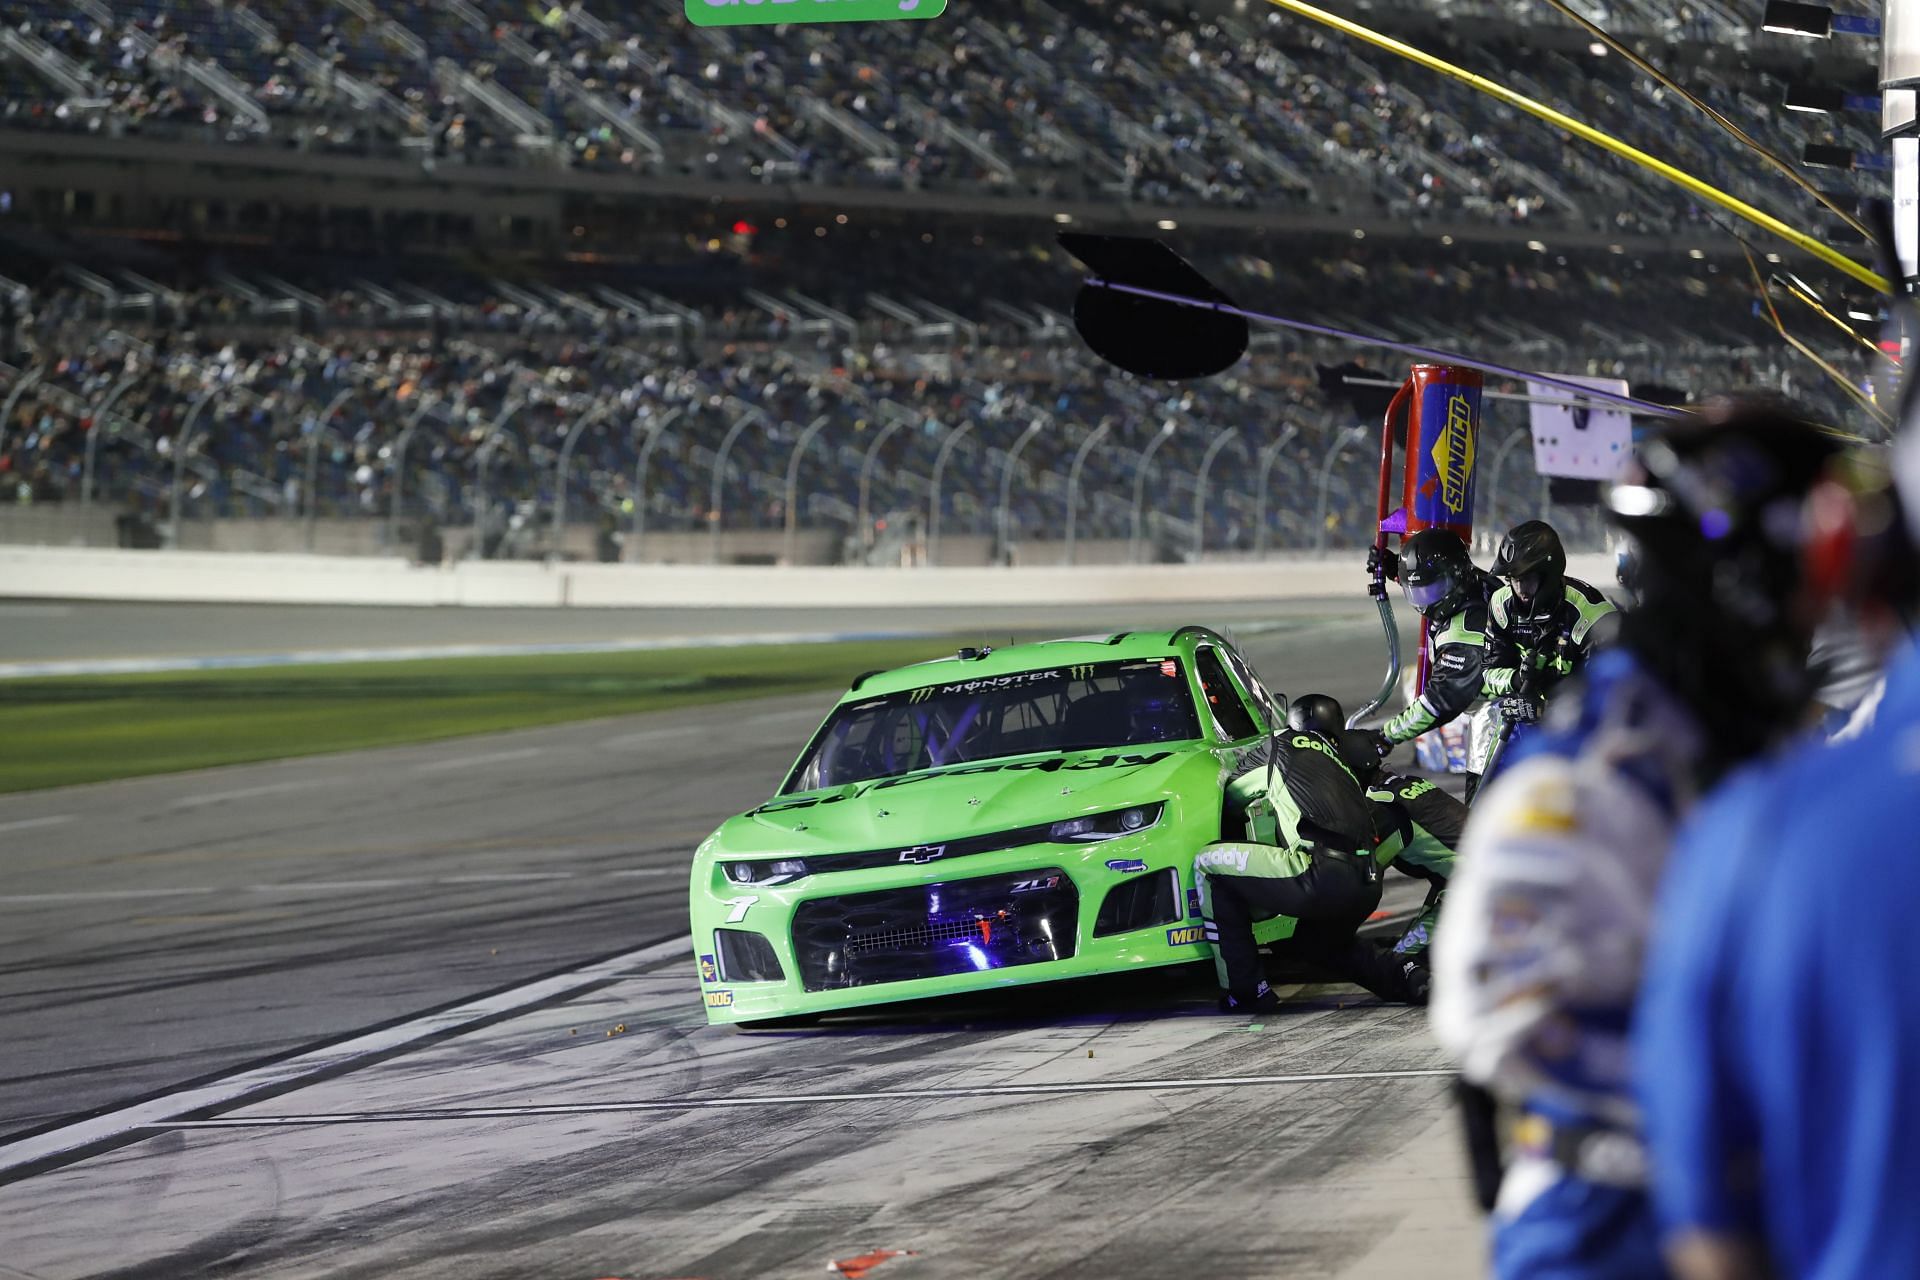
(1072, 650)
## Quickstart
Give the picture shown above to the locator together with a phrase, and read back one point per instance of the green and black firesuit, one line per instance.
(1319, 847)
(1450, 593)
(1542, 625)
(1425, 829)
(1530, 650)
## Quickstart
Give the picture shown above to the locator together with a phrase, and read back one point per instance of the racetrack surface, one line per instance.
(37, 630)
(190, 928)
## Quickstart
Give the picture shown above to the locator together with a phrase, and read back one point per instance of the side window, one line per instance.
(1259, 700)
(1222, 698)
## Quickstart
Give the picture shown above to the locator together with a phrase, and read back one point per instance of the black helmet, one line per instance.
(1534, 564)
(1316, 713)
(1717, 509)
(1435, 570)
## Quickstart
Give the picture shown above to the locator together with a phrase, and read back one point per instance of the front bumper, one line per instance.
(1038, 913)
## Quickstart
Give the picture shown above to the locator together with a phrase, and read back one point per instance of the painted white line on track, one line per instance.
(243, 793)
(304, 657)
(505, 877)
(156, 1112)
(28, 824)
(492, 757)
(644, 737)
(96, 895)
(338, 886)
(527, 1110)
(334, 886)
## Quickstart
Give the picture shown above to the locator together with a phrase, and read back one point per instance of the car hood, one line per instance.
(966, 800)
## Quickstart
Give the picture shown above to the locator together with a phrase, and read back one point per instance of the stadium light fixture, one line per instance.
(1063, 218)
(1597, 49)
(1858, 314)
(1814, 21)
(1696, 254)
(1815, 99)
(1167, 224)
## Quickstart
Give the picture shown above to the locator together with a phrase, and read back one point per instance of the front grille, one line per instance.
(746, 957)
(930, 931)
(1138, 903)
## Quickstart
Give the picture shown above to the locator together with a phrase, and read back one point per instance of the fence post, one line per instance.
(1000, 523)
(715, 507)
(1140, 488)
(793, 484)
(1268, 456)
(427, 401)
(20, 388)
(866, 480)
(310, 494)
(933, 501)
(1341, 443)
(1073, 480)
(1219, 442)
(182, 441)
(483, 469)
(585, 420)
(655, 431)
(100, 413)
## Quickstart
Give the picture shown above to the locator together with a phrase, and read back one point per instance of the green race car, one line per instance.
(986, 820)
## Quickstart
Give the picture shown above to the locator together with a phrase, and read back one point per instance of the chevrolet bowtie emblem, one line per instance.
(923, 853)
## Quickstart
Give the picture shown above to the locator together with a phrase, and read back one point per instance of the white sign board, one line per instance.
(1578, 439)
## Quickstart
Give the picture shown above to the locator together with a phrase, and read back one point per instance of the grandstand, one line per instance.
(504, 269)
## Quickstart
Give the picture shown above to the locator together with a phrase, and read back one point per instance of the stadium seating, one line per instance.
(1094, 98)
(446, 353)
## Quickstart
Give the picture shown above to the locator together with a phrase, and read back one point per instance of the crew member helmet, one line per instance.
(1316, 713)
(1534, 564)
(1435, 569)
(1720, 512)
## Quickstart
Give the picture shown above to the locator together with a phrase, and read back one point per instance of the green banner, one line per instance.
(749, 13)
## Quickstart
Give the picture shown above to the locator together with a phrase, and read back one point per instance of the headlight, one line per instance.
(777, 872)
(1105, 826)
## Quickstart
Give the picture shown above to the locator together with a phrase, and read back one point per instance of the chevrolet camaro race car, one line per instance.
(986, 820)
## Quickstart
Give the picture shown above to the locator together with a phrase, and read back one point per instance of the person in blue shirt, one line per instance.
(1537, 959)
(1778, 1032)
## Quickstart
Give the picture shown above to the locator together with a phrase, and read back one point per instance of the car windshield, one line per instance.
(1066, 708)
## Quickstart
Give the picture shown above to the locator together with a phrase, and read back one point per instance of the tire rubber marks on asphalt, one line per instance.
(335, 886)
(140, 1119)
(472, 762)
(28, 824)
(534, 1110)
(243, 793)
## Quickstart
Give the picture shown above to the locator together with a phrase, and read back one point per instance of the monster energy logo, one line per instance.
(1453, 454)
(1081, 673)
(920, 694)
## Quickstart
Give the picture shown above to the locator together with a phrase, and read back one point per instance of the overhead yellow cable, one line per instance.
(1706, 108)
(1839, 379)
(1586, 132)
(1797, 288)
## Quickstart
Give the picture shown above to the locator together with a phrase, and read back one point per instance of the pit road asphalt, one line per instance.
(170, 929)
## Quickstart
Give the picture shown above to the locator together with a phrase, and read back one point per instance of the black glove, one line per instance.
(1518, 709)
(1382, 563)
(1382, 745)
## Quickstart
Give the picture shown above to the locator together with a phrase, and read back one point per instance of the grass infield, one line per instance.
(57, 730)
